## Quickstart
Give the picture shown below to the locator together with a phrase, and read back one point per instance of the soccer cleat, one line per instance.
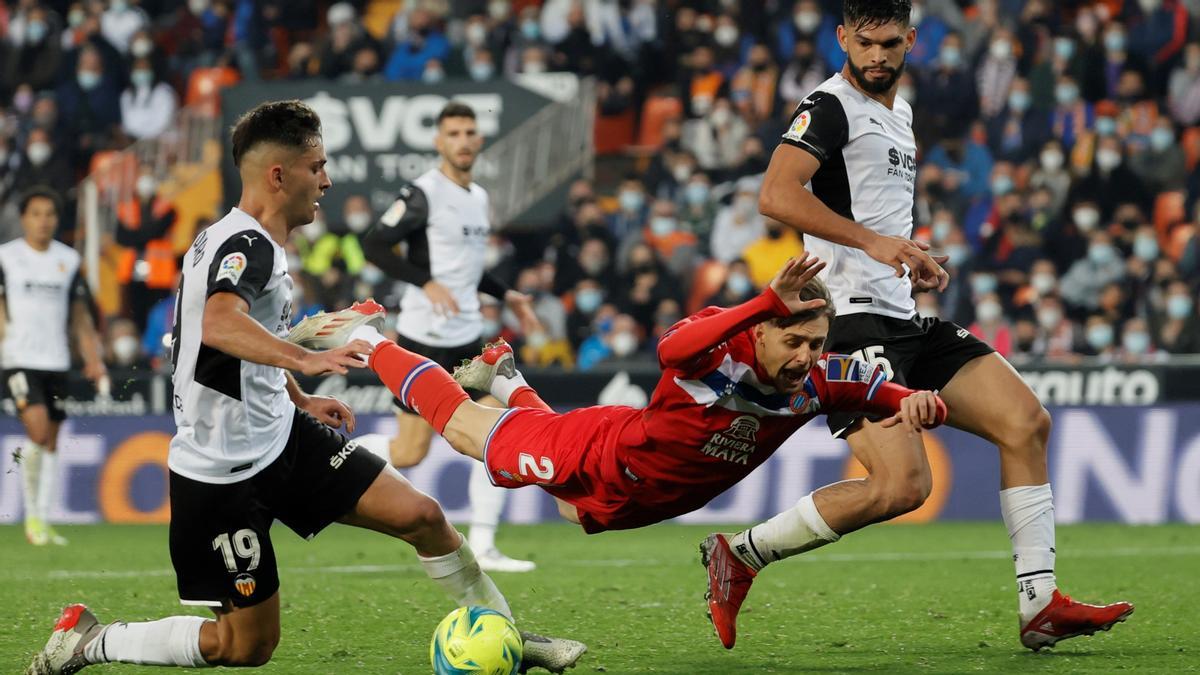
(329, 330)
(63, 653)
(1065, 618)
(36, 532)
(478, 373)
(553, 654)
(492, 560)
(54, 537)
(729, 581)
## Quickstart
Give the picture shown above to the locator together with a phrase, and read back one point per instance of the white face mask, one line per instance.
(681, 172)
(1001, 50)
(623, 344)
(476, 34)
(1043, 283)
(39, 153)
(807, 21)
(1108, 159)
(125, 349)
(141, 47)
(146, 186)
(988, 311)
(1052, 160)
(358, 221)
(1086, 218)
(198, 7)
(1048, 318)
(726, 35)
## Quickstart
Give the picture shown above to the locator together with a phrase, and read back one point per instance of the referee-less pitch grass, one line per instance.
(927, 598)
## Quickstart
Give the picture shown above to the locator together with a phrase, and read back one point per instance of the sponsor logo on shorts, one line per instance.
(245, 584)
(339, 458)
(736, 443)
(231, 267)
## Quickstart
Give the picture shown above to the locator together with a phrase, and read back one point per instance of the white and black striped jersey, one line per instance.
(38, 289)
(867, 174)
(445, 227)
(233, 416)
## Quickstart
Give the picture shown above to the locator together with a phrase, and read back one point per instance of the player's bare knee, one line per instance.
(1027, 430)
(425, 515)
(568, 512)
(247, 653)
(405, 454)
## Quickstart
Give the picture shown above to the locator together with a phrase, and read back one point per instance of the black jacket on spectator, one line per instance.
(1120, 186)
(36, 65)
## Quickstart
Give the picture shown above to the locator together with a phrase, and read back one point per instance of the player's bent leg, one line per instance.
(495, 372)
(568, 511)
(243, 636)
(410, 445)
(898, 479)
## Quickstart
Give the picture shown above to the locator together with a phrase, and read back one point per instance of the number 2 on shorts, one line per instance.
(543, 469)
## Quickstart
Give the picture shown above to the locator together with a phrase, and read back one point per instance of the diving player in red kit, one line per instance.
(736, 383)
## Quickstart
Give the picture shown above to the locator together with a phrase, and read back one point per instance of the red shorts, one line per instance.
(569, 455)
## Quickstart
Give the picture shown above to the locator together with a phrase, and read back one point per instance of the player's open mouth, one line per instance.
(793, 376)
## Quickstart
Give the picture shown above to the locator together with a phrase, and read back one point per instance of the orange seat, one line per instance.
(655, 112)
(205, 84)
(1178, 239)
(1191, 146)
(613, 132)
(1169, 209)
(708, 278)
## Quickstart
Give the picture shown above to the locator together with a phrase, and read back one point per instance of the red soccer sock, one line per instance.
(525, 397)
(419, 383)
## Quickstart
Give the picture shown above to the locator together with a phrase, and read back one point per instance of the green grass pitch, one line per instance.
(908, 598)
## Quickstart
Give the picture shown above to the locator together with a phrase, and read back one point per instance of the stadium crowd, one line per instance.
(1057, 170)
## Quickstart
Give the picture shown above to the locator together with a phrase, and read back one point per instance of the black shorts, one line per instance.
(29, 387)
(221, 532)
(448, 358)
(919, 353)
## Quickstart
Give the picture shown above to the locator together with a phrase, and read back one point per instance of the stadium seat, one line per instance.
(708, 278)
(377, 17)
(1191, 146)
(204, 87)
(656, 111)
(1177, 240)
(613, 133)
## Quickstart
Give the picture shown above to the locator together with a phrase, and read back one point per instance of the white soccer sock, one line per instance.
(487, 503)
(503, 387)
(31, 471)
(173, 641)
(47, 485)
(799, 529)
(1029, 516)
(377, 444)
(369, 334)
(459, 575)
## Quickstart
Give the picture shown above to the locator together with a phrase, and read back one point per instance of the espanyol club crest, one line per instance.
(244, 583)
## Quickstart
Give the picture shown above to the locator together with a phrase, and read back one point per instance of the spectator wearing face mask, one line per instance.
(1183, 89)
(1161, 166)
(996, 74)
(632, 209)
(1052, 174)
(1117, 56)
(1017, 131)
(1071, 116)
(1082, 283)
(1177, 323)
(120, 21)
(148, 105)
(1058, 338)
(1158, 36)
(89, 105)
(990, 324)
(43, 162)
(810, 24)
(423, 42)
(754, 86)
(36, 58)
(615, 339)
(587, 298)
(1101, 339)
(739, 224)
(716, 138)
(1024, 342)
(697, 209)
(340, 244)
(948, 93)
(737, 287)
(1137, 345)
(1110, 182)
(124, 346)
(346, 36)
(147, 268)
(802, 74)
(676, 247)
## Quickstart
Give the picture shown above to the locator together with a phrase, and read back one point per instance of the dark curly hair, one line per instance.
(862, 14)
(291, 124)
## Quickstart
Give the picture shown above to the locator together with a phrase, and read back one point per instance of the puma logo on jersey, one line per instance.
(249, 239)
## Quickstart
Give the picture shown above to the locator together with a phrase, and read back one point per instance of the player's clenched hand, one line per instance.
(919, 410)
(522, 305)
(338, 360)
(441, 298)
(896, 252)
(796, 273)
(930, 283)
(330, 412)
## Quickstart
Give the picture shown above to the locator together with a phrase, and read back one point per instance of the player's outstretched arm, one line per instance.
(784, 198)
(228, 327)
(844, 383)
(88, 339)
(693, 337)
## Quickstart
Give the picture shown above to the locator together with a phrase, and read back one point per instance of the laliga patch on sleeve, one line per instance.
(799, 126)
(232, 267)
(395, 212)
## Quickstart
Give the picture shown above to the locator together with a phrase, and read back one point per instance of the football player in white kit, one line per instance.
(844, 175)
(442, 218)
(43, 300)
(251, 447)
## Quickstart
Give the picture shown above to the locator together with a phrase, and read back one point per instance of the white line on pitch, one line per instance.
(618, 562)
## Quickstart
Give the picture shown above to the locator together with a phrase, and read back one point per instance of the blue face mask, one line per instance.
(1161, 139)
(1136, 343)
(88, 80)
(982, 284)
(1101, 254)
(1064, 48)
(1019, 101)
(36, 31)
(661, 226)
(1100, 336)
(1066, 94)
(940, 230)
(631, 200)
(1179, 306)
(958, 254)
(739, 283)
(1001, 185)
(482, 71)
(1106, 126)
(696, 194)
(588, 300)
(1146, 248)
(531, 30)
(1114, 42)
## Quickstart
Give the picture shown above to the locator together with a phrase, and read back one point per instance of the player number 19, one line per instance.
(874, 356)
(244, 543)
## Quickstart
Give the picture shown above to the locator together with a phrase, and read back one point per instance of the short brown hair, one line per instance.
(815, 289)
(455, 109)
(291, 124)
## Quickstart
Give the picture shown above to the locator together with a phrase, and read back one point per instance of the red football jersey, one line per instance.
(715, 416)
